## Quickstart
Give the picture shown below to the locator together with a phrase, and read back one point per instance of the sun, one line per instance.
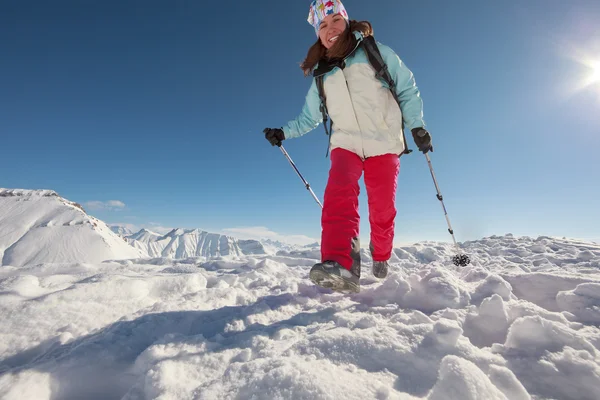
(595, 78)
(591, 77)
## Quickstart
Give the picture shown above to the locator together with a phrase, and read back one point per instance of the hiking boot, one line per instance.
(380, 269)
(331, 275)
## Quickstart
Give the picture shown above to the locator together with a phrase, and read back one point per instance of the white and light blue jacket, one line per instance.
(366, 118)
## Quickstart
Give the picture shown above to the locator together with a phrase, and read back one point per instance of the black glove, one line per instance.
(274, 136)
(422, 140)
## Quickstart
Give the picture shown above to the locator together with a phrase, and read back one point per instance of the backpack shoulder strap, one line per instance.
(377, 62)
(321, 89)
(382, 72)
(323, 108)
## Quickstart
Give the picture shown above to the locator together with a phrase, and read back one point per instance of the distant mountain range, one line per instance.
(183, 243)
(39, 226)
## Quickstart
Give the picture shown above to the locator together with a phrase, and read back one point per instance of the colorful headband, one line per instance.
(319, 9)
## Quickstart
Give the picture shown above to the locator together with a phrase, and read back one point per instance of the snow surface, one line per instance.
(38, 226)
(520, 322)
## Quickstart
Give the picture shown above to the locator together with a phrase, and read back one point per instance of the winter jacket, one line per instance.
(366, 118)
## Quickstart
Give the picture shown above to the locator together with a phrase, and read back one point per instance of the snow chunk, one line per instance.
(586, 255)
(538, 248)
(26, 286)
(424, 253)
(27, 385)
(436, 291)
(575, 374)
(583, 302)
(566, 374)
(474, 274)
(446, 333)
(391, 291)
(522, 308)
(493, 284)
(460, 379)
(488, 326)
(177, 285)
(542, 288)
(505, 380)
(536, 335)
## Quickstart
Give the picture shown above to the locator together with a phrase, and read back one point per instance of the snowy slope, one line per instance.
(521, 322)
(39, 226)
(184, 243)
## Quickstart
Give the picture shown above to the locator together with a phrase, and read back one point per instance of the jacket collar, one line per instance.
(324, 66)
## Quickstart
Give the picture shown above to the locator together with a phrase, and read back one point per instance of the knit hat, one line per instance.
(319, 9)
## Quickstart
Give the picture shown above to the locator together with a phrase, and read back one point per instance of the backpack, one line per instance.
(381, 72)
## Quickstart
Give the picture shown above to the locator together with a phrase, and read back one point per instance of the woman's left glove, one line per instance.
(274, 136)
(422, 140)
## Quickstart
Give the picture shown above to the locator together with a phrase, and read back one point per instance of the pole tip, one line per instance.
(461, 260)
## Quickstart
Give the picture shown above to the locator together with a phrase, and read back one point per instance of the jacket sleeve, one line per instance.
(406, 88)
(309, 118)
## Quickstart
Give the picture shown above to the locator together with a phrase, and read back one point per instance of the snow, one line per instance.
(520, 322)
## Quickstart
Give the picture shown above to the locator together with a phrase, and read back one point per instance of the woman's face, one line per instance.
(331, 28)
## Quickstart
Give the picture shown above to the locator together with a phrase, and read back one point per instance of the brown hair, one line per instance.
(344, 45)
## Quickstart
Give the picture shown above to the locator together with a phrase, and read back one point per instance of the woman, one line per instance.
(367, 137)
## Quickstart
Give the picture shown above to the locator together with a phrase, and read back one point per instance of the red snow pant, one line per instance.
(340, 219)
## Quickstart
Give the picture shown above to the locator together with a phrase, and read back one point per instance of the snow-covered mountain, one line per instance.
(121, 230)
(185, 243)
(39, 226)
(520, 323)
(277, 246)
(144, 236)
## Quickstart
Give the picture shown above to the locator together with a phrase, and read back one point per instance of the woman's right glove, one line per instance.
(422, 140)
(274, 136)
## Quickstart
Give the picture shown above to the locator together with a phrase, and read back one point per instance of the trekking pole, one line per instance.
(306, 184)
(459, 259)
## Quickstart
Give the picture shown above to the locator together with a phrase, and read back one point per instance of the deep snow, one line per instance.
(520, 322)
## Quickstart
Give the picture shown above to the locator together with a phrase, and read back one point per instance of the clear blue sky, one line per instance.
(161, 106)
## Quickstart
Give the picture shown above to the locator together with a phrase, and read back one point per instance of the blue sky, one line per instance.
(159, 107)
